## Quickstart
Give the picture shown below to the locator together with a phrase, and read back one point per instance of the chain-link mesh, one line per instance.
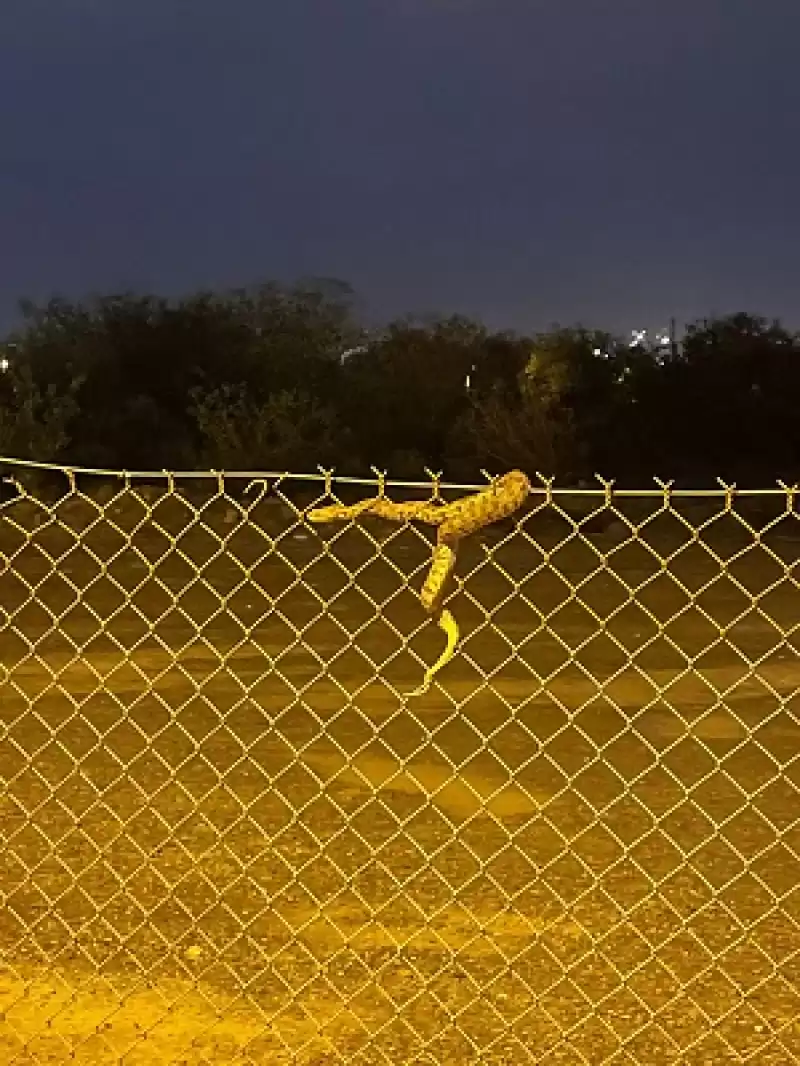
(230, 838)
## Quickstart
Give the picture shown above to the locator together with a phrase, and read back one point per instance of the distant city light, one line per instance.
(638, 336)
(663, 338)
(4, 364)
(343, 356)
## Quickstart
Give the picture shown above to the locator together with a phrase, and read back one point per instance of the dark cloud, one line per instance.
(610, 161)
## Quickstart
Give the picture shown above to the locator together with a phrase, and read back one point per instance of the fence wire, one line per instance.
(229, 836)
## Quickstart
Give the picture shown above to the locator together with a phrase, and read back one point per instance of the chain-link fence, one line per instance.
(231, 837)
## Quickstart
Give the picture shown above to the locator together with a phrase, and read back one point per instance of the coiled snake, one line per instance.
(453, 521)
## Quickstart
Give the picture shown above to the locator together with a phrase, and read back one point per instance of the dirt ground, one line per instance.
(230, 838)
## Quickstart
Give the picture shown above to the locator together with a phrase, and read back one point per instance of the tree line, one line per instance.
(288, 378)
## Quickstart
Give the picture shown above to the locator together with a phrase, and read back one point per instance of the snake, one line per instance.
(453, 521)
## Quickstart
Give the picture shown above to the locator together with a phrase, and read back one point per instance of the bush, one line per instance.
(35, 422)
(500, 433)
(288, 431)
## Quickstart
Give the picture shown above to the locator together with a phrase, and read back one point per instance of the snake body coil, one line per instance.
(453, 521)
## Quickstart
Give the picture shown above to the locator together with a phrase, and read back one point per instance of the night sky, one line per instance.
(613, 162)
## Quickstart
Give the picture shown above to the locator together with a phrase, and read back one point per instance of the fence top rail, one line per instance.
(546, 487)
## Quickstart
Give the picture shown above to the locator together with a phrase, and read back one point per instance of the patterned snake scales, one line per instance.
(453, 521)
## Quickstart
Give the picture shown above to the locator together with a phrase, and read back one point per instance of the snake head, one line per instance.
(318, 515)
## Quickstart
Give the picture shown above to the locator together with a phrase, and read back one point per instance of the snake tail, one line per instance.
(447, 622)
